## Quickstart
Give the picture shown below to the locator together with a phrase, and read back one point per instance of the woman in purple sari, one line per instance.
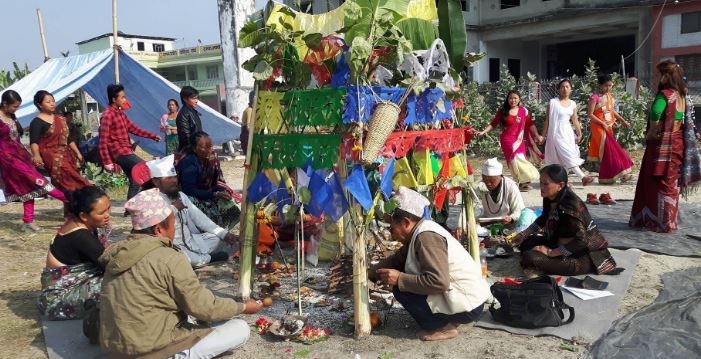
(20, 179)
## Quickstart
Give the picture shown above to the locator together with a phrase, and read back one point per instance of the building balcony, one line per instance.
(198, 50)
(200, 84)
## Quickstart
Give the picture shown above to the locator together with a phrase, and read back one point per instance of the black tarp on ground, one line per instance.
(668, 328)
(613, 223)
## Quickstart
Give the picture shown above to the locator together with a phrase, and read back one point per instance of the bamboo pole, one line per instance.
(361, 296)
(248, 211)
(300, 258)
(115, 45)
(43, 36)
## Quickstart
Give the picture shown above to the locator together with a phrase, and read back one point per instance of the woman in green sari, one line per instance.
(168, 127)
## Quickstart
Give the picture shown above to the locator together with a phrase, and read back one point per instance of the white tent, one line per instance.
(146, 90)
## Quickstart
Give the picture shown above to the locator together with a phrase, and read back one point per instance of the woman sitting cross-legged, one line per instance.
(201, 179)
(73, 274)
(570, 244)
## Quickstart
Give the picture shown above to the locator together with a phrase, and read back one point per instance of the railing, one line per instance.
(199, 84)
(191, 50)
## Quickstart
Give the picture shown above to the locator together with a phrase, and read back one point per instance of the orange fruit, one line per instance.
(374, 319)
(275, 266)
(268, 301)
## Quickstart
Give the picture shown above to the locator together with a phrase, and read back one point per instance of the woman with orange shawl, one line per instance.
(614, 162)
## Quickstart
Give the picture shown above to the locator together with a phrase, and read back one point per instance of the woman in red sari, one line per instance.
(518, 126)
(52, 146)
(20, 180)
(656, 202)
(614, 162)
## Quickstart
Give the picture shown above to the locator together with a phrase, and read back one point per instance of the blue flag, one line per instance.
(386, 182)
(260, 188)
(357, 186)
(283, 197)
(336, 205)
(320, 194)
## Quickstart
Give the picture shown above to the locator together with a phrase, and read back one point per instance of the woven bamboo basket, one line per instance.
(382, 123)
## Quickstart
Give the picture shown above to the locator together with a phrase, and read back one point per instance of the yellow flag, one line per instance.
(403, 175)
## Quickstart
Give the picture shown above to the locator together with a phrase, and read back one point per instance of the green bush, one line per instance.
(482, 101)
(101, 178)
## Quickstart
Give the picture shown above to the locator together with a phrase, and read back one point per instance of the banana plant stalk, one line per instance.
(472, 239)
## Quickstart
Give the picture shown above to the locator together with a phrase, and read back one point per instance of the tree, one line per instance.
(232, 15)
(7, 78)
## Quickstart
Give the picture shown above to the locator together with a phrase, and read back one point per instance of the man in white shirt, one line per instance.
(500, 196)
(197, 236)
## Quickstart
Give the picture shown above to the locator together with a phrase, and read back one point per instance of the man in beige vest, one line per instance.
(432, 275)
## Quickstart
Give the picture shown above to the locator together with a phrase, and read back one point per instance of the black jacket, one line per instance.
(188, 122)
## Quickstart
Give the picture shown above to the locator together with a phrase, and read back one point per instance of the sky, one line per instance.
(69, 21)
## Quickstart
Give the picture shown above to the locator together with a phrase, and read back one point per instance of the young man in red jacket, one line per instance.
(115, 145)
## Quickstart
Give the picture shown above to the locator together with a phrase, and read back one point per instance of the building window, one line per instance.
(192, 74)
(159, 47)
(212, 72)
(493, 69)
(691, 22)
(179, 75)
(691, 64)
(465, 5)
(514, 67)
(508, 4)
(140, 46)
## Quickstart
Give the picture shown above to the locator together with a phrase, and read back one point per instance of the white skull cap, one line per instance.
(411, 201)
(492, 167)
(162, 167)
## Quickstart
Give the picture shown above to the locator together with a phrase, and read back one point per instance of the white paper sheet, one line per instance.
(587, 294)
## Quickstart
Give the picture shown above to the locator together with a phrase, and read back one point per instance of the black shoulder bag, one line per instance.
(534, 303)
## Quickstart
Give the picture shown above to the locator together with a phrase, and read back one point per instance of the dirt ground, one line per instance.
(22, 258)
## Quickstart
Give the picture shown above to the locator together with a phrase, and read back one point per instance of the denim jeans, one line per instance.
(225, 336)
(127, 163)
(418, 308)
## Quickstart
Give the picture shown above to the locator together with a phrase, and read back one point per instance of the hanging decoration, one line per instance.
(361, 102)
(295, 149)
(269, 111)
(320, 107)
(400, 143)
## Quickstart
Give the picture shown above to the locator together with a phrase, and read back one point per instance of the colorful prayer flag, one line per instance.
(357, 186)
(260, 188)
(386, 182)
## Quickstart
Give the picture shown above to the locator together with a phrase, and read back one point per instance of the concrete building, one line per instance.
(551, 38)
(677, 36)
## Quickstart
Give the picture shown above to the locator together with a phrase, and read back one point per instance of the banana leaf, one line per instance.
(451, 28)
(370, 12)
(420, 32)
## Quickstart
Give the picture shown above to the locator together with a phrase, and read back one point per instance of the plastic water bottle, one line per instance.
(483, 259)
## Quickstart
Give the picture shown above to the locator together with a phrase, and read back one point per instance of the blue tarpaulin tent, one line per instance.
(146, 90)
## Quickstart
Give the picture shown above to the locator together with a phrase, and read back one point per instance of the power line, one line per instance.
(652, 28)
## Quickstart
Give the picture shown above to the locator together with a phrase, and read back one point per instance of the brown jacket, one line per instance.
(432, 252)
(148, 290)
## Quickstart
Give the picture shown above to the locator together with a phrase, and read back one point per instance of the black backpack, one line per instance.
(534, 303)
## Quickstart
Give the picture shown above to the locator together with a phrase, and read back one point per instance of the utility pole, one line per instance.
(232, 15)
(115, 46)
(43, 37)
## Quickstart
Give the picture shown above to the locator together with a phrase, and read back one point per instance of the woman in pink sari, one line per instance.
(20, 180)
(518, 126)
